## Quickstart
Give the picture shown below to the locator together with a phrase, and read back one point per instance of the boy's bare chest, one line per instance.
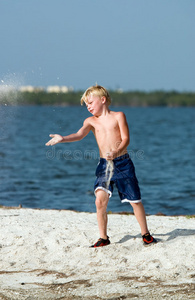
(106, 127)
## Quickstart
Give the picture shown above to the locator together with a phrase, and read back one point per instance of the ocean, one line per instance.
(162, 148)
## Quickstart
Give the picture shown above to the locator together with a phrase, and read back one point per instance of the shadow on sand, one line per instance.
(171, 235)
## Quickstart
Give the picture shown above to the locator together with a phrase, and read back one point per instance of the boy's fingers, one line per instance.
(48, 143)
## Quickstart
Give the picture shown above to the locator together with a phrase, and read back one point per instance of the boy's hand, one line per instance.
(111, 155)
(56, 138)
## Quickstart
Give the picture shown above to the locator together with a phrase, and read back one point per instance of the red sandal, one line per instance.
(148, 239)
(101, 242)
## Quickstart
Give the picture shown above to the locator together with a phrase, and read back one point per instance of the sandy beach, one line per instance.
(45, 254)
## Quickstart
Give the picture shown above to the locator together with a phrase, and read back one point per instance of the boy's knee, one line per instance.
(101, 202)
(134, 205)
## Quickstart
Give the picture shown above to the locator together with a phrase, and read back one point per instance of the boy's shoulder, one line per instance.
(118, 114)
(89, 120)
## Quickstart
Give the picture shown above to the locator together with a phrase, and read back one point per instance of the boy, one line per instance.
(112, 135)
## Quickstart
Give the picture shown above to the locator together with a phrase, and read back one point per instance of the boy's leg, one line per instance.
(101, 205)
(140, 215)
(141, 218)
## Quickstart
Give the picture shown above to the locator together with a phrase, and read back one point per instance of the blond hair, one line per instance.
(97, 90)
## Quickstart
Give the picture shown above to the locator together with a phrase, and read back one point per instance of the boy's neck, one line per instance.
(105, 111)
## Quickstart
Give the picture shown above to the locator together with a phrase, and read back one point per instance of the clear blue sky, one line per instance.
(129, 44)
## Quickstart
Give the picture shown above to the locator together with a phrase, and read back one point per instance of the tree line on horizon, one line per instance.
(129, 98)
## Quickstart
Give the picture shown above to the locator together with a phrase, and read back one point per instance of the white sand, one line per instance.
(45, 254)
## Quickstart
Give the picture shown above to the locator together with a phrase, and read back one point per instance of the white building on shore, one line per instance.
(49, 89)
(30, 89)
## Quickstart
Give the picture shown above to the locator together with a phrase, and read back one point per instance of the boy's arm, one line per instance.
(125, 139)
(81, 133)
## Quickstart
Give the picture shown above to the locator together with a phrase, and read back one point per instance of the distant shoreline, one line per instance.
(131, 98)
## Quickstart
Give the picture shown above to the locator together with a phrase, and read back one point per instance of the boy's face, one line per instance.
(95, 104)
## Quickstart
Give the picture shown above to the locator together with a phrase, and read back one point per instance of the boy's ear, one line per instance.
(103, 99)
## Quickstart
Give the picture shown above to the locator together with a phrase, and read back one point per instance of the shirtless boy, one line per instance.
(112, 135)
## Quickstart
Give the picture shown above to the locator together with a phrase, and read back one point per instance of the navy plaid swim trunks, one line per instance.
(123, 177)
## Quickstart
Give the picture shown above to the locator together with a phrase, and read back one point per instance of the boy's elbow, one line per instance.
(127, 141)
(80, 136)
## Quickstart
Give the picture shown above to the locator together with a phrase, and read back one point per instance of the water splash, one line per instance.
(9, 87)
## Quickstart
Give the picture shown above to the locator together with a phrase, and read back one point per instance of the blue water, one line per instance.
(162, 149)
